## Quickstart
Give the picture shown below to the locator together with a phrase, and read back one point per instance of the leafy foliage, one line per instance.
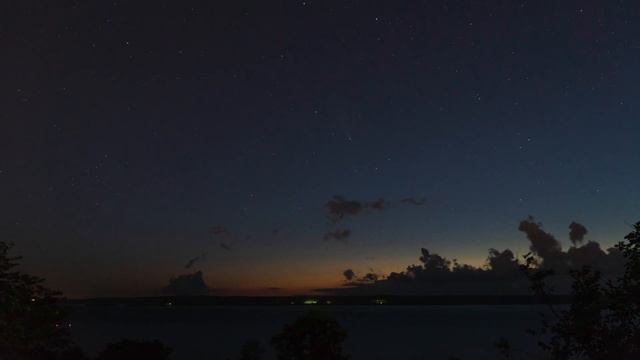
(602, 320)
(32, 324)
(315, 336)
(135, 350)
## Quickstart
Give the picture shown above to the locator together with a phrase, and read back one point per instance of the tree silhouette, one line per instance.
(135, 350)
(602, 320)
(314, 336)
(32, 323)
(251, 350)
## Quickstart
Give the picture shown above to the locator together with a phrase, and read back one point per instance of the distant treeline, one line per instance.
(322, 300)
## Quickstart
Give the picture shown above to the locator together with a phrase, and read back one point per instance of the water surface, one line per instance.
(375, 332)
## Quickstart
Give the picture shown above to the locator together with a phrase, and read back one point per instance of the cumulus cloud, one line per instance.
(349, 274)
(577, 233)
(502, 262)
(369, 278)
(587, 254)
(437, 275)
(542, 244)
(340, 235)
(351, 278)
(433, 262)
(187, 285)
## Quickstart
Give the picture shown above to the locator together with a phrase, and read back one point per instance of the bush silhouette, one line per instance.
(135, 350)
(602, 320)
(32, 323)
(314, 336)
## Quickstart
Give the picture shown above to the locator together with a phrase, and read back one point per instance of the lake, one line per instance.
(375, 332)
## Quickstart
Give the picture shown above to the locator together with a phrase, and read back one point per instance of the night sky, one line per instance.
(138, 137)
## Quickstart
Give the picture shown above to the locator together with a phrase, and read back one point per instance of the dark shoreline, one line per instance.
(169, 301)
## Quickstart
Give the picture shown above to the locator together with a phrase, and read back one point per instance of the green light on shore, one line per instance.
(380, 301)
(310, 302)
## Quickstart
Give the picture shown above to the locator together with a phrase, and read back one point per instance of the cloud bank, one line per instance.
(437, 275)
(187, 285)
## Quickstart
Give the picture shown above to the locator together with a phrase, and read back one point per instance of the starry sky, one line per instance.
(136, 137)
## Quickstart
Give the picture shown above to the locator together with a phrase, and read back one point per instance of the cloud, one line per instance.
(349, 274)
(193, 261)
(433, 262)
(414, 201)
(502, 262)
(225, 246)
(543, 244)
(187, 285)
(339, 207)
(340, 235)
(369, 278)
(437, 275)
(588, 254)
(351, 279)
(577, 233)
